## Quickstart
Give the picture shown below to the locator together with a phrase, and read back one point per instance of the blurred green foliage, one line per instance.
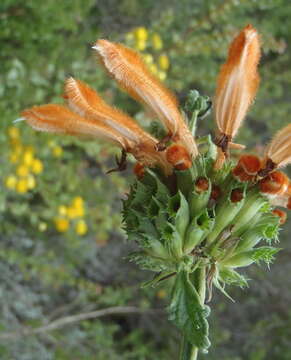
(47, 274)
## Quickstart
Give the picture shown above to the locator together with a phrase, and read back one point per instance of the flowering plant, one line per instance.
(195, 214)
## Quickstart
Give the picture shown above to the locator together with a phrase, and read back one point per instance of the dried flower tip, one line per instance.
(139, 170)
(215, 192)
(237, 82)
(282, 215)
(236, 195)
(178, 156)
(201, 185)
(131, 73)
(279, 150)
(275, 183)
(247, 167)
(289, 203)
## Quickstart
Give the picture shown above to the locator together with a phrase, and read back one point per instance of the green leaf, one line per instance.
(187, 312)
(232, 277)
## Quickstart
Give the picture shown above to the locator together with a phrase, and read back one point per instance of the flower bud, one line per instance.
(236, 195)
(179, 157)
(247, 167)
(282, 215)
(215, 192)
(139, 170)
(201, 185)
(275, 183)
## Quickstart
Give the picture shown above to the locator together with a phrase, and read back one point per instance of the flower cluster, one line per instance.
(195, 214)
(26, 165)
(72, 215)
(150, 45)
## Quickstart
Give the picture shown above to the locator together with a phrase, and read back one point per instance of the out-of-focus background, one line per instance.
(62, 249)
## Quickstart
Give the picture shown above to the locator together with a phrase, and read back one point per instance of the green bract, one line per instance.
(187, 233)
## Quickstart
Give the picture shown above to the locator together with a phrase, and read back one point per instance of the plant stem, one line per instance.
(189, 351)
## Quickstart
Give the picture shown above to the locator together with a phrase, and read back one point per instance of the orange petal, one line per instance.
(86, 102)
(131, 73)
(59, 119)
(237, 82)
(279, 150)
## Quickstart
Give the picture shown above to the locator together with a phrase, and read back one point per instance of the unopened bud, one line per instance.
(236, 195)
(139, 170)
(215, 193)
(201, 185)
(247, 167)
(282, 215)
(179, 157)
(275, 183)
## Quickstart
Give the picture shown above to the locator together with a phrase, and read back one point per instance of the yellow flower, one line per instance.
(153, 68)
(72, 212)
(140, 45)
(13, 132)
(13, 157)
(27, 157)
(78, 202)
(61, 224)
(57, 151)
(148, 58)
(36, 166)
(22, 186)
(164, 62)
(22, 171)
(42, 226)
(31, 181)
(81, 227)
(141, 33)
(157, 42)
(162, 75)
(10, 182)
(62, 210)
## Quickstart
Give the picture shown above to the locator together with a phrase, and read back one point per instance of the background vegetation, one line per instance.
(62, 251)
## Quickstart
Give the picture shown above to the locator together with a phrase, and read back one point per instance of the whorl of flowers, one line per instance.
(195, 215)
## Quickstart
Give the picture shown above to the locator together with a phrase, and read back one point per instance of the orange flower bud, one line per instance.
(275, 183)
(247, 167)
(201, 184)
(281, 214)
(289, 203)
(236, 195)
(139, 170)
(179, 157)
(215, 192)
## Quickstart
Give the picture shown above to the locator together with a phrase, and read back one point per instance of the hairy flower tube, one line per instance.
(196, 215)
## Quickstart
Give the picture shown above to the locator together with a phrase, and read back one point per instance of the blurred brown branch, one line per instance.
(71, 319)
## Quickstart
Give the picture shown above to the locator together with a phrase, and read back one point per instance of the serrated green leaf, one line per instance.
(197, 231)
(188, 313)
(179, 212)
(232, 277)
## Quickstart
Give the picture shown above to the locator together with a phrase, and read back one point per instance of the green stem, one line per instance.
(189, 351)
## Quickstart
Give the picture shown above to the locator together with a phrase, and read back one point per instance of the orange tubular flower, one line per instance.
(129, 70)
(59, 119)
(278, 153)
(236, 88)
